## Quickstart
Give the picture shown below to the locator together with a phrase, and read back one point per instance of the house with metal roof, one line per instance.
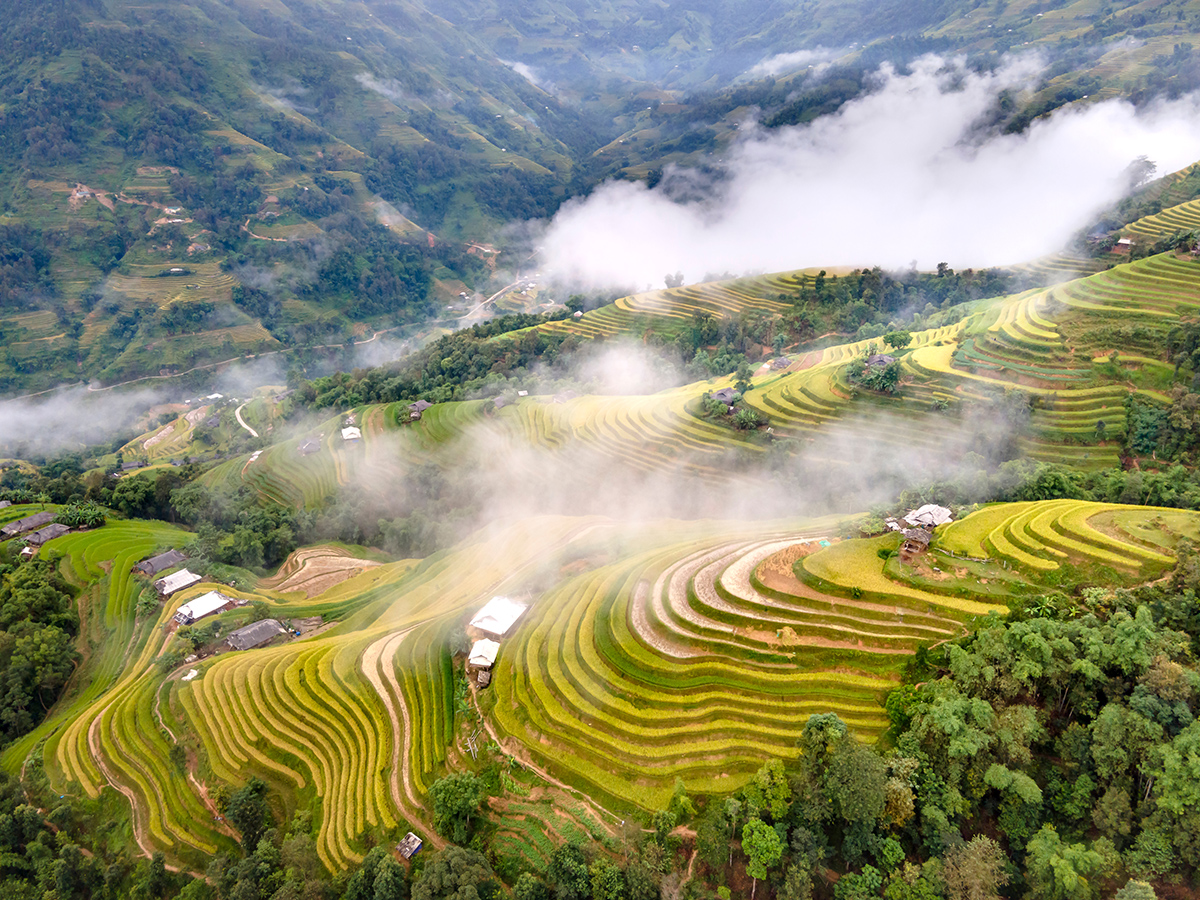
(205, 605)
(410, 846)
(255, 634)
(177, 581)
(497, 616)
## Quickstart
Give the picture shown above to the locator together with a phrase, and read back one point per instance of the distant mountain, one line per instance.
(187, 181)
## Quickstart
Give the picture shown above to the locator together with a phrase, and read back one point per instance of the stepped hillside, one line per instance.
(1080, 373)
(649, 653)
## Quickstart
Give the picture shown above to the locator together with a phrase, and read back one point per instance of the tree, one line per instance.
(1135, 890)
(897, 340)
(530, 887)
(456, 874)
(568, 874)
(975, 870)
(769, 791)
(249, 813)
(456, 798)
(763, 848)
(1178, 779)
(742, 378)
(1058, 871)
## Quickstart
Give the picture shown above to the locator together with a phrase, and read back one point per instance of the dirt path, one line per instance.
(376, 665)
(237, 414)
(201, 790)
(598, 812)
(94, 746)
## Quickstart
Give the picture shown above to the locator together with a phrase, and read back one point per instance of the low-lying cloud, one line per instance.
(787, 62)
(906, 172)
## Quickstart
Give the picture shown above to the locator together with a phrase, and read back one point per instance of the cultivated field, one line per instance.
(650, 652)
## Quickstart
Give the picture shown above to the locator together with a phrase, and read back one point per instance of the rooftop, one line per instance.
(483, 653)
(177, 581)
(254, 634)
(199, 607)
(498, 615)
(163, 561)
(929, 516)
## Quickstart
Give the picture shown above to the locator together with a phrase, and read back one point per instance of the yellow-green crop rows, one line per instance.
(1043, 536)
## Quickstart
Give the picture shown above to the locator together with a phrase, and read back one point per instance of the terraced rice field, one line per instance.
(658, 651)
(1042, 537)
(699, 660)
(1148, 229)
(314, 570)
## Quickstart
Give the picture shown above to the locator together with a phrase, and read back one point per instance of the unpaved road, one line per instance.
(237, 414)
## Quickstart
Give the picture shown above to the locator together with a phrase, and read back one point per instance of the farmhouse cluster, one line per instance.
(487, 627)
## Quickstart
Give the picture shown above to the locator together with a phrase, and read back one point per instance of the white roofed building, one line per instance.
(176, 581)
(204, 605)
(483, 654)
(351, 433)
(498, 616)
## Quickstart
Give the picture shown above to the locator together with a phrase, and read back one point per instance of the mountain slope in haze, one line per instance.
(198, 180)
(183, 183)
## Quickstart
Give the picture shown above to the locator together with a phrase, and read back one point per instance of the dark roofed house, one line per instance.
(309, 447)
(879, 360)
(255, 634)
(410, 846)
(916, 542)
(130, 464)
(160, 563)
(4, 503)
(499, 403)
(29, 523)
(724, 395)
(415, 409)
(49, 533)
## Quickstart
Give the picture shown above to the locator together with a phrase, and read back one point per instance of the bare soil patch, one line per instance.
(314, 570)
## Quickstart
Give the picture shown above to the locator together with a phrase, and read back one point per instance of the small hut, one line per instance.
(410, 846)
(49, 533)
(916, 542)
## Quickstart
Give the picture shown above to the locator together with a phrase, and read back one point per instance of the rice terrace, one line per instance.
(631, 451)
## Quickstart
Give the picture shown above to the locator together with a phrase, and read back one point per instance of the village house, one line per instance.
(497, 616)
(49, 533)
(879, 360)
(916, 542)
(255, 634)
(350, 434)
(29, 523)
(481, 659)
(416, 409)
(205, 605)
(309, 447)
(922, 522)
(410, 846)
(4, 503)
(160, 563)
(176, 582)
(725, 396)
